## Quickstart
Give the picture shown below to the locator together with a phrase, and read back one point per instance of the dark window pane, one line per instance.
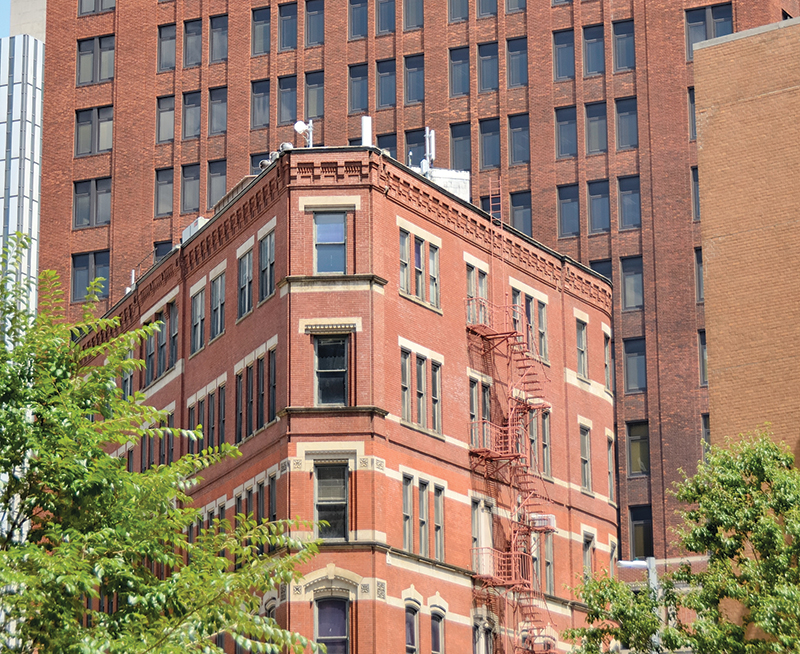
(219, 39)
(490, 143)
(387, 92)
(624, 46)
(487, 67)
(261, 30)
(627, 124)
(564, 54)
(287, 24)
(192, 43)
(191, 115)
(415, 79)
(521, 212)
(593, 50)
(569, 223)
(358, 19)
(458, 10)
(260, 104)
(566, 132)
(519, 139)
(287, 90)
(487, 8)
(596, 128)
(388, 142)
(460, 147)
(315, 95)
(315, 22)
(632, 288)
(385, 16)
(630, 213)
(415, 146)
(599, 213)
(517, 62)
(166, 47)
(359, 88)
(414, 16)
(459, 71)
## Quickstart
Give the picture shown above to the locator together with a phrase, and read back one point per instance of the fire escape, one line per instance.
(505, 580)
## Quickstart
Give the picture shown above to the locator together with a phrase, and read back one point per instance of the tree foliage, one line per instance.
(75, 524)
(742, 512)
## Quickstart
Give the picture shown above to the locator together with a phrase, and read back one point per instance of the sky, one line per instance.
(5, 12)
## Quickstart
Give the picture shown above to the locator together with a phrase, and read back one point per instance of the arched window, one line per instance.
(332, 625)
(437, 633)
(412, 631)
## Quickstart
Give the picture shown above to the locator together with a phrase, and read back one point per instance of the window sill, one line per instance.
(622, 71)
(547, 477)
(155, 379)
(196, 352)
(564, 157)
(216, 338)
(600, 232)
(494, 90)
(350, 39)
(79, 85)
(588, 493)
(266, 299)
(243, 316)
(583, 379)
(165, 70)
(631, 309)
(638, 475)
(165, 142)
(561, 80)
(190, 138)
(82, 228)
(599, 153)
(628, 148)
(630, 228)
(422, 430)
(83, 301)
(86, 155)
(594, 75)
(568, 235)
(218, 61)
(422, 303)
(639, 391)
(255, 128)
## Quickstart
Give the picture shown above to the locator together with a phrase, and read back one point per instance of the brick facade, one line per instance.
(670, 317)
(375, 565)
(750, 229)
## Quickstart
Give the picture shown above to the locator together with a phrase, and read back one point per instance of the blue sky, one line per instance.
(5, 11)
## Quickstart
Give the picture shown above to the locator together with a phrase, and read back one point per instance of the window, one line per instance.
(315, 95)
(698, 274)
(385, 16)
(332, 500)
(437, 633)
(583, 358)
(408, 513)
(542, 327)
(415, 79)
(422, 402)
(692, 116)
(217, 181)
(594, 57)
(93, 130)
(87, 267)
(359, 88)
(487, 8)
(95, 60)
(162, 343)
(127, 385)
(331, 370)
(192, 43)
(635, 366)
(480, 413)
(255, 162)
(705, 435)
(607, 356)
(329, 243)
(405, 385)
(487, 67)
(588, 556)
(245, 284)
(596, 128)
(150, 368)
(568, 211)
(438, 548)
(433, 275)
(603, 267)
(599, 212)
(261, 30)
(239, 408)
(165, 125)
(627, 124)
(459, 72)
(460, 147)
(250, 390)
(411, 630)
(517, 62)
(490, 143)
(164, 185)
(566, 133)
(287, 95)
(423, 518)
(190, 191)
(515, 5)
(624, 46)
(641, 532)
(287, 26)
(611, 469)
(457, 10)
(521, 211)
(701, 346)
(218, 49)
(586, 459)
(638, 448)
(415, 145)
(191, 115)
(166, 47)
(519, 140)
(173, 335)
(217, 306)
(632, 287)
(707, 23)
(476, 295)
(387, 92)
(695, 194)
(95, 6)
(630, 210)
(198, 321)
(564, 55)
(545, 460)
(388, 142)
(315, 22)
(92, 203)
(413, 14)
(549, 569)
(358, 18)
(332, 625)
(259, 104)
(266, 265)
(218, 111)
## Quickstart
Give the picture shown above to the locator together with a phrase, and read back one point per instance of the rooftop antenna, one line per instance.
(306, 131)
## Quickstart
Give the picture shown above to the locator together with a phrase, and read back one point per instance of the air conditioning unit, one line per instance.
(192, 229)
(543, 521)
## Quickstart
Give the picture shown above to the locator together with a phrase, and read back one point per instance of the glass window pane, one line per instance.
(458, 10)
(166, 47)
(261, 30)
(386, 83)
(385, 16)
(191, 115)
(415, 79)
(487, 72)
(517, 62)
(624, 46)
(459, 71)
(519, 137)
(599, 213)
(287, 87)
(566, 132)
(568, 211)
(593, 50)
(331, 617)
(596, 128)
(564, 54)
(358, 19)
(82, 204)
(629, 203)
(460, 147)
(521, 212)
(193, 43)
(103, 210)
(490, 143)
(219, 38)
(414, 16)
(315, 22)
(632, 288)
(287, 15)
(627, 124)
(359, 88)
(260, 104)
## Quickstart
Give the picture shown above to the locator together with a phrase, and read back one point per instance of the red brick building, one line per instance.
(392, 361)
(581, 110)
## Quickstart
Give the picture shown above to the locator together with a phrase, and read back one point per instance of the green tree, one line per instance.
(74, 524)
(743, 512)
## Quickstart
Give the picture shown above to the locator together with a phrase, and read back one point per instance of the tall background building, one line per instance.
(747, 84)
(21, 93)
(575, 119)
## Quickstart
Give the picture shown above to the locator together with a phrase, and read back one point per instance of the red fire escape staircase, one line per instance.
(511, 572)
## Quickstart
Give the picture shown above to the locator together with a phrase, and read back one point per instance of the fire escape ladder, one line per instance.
(496, 198)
